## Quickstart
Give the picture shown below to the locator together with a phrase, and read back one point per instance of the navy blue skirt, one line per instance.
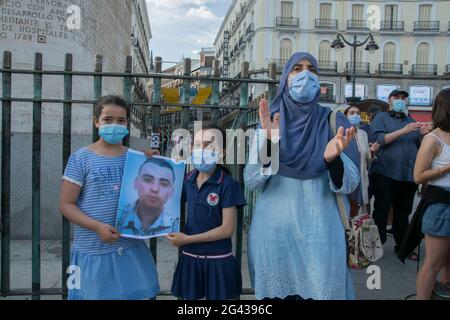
(212, 279)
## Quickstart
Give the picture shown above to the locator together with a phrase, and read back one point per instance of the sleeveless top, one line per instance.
(442, 160)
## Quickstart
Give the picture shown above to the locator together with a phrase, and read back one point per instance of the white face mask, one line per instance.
(204, 160)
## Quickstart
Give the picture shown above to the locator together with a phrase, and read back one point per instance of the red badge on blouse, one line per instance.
(213, 199)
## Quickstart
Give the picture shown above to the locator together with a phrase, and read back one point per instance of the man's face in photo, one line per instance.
(154, 185)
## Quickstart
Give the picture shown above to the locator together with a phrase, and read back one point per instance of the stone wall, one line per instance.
(30, 26)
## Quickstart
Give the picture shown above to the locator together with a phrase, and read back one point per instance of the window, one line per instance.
(357, 12)
(325, 11)
(383, 91)
(285, 49)
(327, 92)
(420, 95)
(286, 9)
(324, 51)
(360, 90)
(425, 12)
(423, 53)
(389, 53)
(391, 13)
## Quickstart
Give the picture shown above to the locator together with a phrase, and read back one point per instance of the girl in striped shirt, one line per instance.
(110, 267)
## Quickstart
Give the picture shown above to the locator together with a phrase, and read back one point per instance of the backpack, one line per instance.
(363, 239)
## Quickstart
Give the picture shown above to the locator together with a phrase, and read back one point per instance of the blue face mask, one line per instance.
(204, 160)
(113, 133)
(399, 105)
(355, 119)
(304, 86)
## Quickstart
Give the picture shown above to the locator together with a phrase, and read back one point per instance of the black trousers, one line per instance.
(399, 195)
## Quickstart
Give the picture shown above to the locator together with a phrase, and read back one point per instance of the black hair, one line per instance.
(441, 110)
(160, 163)
(110, 100)
(212, 126)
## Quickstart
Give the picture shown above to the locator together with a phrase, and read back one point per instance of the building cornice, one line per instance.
(250, 3)
(225, 21)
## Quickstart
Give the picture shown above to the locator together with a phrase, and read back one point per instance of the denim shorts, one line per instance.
(436, 220)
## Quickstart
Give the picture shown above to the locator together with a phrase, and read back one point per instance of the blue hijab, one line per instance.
(304, 129)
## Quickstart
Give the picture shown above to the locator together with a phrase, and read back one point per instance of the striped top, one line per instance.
(100, 178)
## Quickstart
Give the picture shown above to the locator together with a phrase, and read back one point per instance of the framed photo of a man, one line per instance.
(149, 203)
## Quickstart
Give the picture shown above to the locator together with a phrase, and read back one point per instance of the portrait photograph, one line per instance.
(149, 204)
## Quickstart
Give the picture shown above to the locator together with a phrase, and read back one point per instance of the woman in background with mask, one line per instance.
(207, 268)
(367, 152)
(296, 242)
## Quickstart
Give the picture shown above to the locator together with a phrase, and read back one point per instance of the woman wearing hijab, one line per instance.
(296, 242)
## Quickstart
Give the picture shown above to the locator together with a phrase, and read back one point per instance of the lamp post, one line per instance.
(371, 47)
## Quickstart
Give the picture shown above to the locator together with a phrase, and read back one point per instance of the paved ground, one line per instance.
(397, 279)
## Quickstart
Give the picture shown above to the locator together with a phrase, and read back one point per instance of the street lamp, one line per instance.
(371, 47)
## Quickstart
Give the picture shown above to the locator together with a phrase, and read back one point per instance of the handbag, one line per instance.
(363, 239)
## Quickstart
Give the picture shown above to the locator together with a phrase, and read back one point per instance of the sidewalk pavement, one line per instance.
(397, 280)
